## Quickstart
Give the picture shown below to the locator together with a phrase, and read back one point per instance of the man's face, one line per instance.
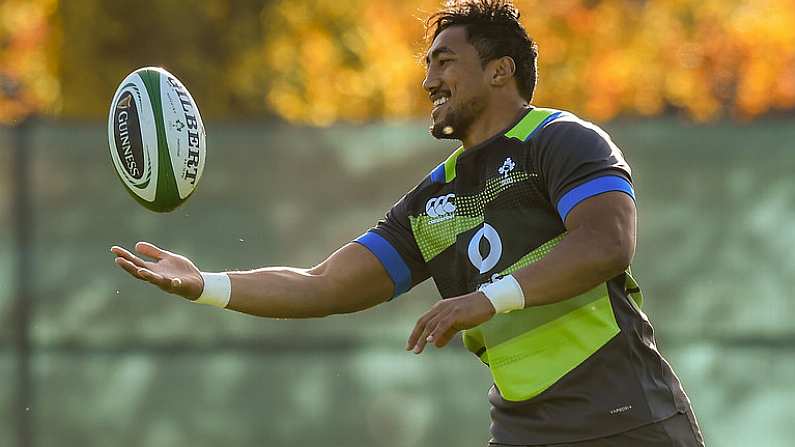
(456, 83)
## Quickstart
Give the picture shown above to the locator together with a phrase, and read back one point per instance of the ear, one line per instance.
(502, 70)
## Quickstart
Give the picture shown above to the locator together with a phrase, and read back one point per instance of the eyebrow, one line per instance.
(436, 53)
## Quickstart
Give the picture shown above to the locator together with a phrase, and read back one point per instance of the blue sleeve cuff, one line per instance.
(395, 267)
(592, 188)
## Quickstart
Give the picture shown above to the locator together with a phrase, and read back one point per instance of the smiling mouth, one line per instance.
(439, 102)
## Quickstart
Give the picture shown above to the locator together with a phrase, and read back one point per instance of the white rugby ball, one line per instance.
(157, 138)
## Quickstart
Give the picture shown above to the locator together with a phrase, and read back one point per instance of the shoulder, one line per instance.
(569, 137)
(551, 129)
(567, 130)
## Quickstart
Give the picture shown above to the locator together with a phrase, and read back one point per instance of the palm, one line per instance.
(169, 271)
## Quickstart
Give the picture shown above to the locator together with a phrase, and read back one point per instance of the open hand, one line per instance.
(447, 317)
(171, 272)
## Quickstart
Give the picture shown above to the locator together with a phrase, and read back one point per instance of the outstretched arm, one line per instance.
(349, 280)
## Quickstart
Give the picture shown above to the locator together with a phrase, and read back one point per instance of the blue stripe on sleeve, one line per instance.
(437, 175)
(390, 258)
(546, 121)
(592, 188)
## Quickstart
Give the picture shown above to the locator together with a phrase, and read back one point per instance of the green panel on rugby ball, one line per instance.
(157, 139)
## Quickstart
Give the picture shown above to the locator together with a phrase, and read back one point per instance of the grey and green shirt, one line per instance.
(583, 368)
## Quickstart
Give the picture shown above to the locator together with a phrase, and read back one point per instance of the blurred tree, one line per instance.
(319, 61)
(707, 57)
(212, 45)
(345, 59)
(28, 83)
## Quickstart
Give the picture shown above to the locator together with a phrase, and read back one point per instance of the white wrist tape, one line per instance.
(217, 290)
(505, 294)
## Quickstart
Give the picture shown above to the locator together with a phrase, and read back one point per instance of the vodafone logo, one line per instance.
(485, 262)
(440, 207)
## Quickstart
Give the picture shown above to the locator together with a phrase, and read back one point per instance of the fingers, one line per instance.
(147, 249)
(419, 328)
(171, 285)
(440, 324)
(159, 280)
(128, 266)
(445, 327)
(150, 276)
(425, 337)
(422, 330)
(125, 254)
(441, 340)
(165, 271)
(437, 330)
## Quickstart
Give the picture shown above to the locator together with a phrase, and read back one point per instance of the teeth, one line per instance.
(440, 101)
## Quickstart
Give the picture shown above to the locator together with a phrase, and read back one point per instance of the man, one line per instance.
(527, 230)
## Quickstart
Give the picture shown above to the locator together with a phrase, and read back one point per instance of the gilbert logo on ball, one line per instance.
(157, 139)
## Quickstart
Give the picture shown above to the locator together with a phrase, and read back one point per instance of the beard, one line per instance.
(456, 122)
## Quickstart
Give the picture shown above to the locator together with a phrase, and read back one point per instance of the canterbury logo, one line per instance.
(441, 206)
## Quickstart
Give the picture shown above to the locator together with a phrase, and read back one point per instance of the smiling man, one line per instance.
(528, 230)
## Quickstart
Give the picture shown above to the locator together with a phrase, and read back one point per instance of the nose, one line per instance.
(431, 81)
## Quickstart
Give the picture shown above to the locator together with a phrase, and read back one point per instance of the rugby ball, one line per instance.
(157, 139)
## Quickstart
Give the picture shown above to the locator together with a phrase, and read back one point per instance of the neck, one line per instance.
(497, 116)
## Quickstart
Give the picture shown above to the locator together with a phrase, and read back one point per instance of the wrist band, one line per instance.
(505, 294)
(217, 290)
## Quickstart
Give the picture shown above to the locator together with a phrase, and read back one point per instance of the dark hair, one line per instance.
(493, 28)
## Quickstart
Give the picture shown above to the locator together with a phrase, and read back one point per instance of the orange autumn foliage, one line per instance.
(323, 61)
(356, 59)
(27, 76)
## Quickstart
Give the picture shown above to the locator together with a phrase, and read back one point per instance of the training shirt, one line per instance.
(584, 368)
